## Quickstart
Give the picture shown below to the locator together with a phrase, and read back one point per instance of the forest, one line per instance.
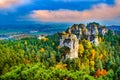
(34, 59)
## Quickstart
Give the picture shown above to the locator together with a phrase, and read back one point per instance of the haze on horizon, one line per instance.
(61, 11)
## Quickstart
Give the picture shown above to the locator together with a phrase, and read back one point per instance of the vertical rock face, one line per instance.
(79, 36)
(70, 41)
(82, 31)
(93, 34)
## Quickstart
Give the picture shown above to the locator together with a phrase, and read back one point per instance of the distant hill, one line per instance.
(48, 28)
(115, 28)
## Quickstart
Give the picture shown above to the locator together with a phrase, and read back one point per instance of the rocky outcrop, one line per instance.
(93, 34)
(102, 30)
(71, 37)
(71, 42)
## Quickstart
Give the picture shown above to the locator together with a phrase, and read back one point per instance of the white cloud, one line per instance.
(98, 12)
(7, 4)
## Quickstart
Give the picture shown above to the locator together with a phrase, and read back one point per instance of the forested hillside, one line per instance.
(33, 59)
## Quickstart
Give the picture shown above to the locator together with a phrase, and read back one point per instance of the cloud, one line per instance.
(97, 12)
(6, 4)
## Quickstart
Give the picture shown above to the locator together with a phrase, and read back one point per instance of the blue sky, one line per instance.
(73, 11)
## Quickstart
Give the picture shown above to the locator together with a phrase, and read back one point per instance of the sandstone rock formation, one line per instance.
(71, 37)
(71, 42)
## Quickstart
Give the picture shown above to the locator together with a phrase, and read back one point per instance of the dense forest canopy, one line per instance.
(34, 59)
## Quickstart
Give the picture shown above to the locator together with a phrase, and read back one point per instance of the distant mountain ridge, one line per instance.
(114, 28)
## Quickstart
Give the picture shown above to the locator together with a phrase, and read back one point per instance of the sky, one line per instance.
(106, 12)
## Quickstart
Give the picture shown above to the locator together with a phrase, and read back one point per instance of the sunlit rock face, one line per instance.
(71, 42)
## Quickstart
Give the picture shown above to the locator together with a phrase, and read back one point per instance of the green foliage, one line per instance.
(117, 74)
(27, 51)
(38, 71)
(33, 59)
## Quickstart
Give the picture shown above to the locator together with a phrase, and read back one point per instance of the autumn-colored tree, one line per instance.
(100, 72)
(93, 53)
(45, 39)
(81, 50)
(101, 56)
(42, 50)
(58, 47)
(92, 63)
(87, 44)
(60, 66)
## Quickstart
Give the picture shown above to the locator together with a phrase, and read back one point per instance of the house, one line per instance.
(41, 37)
